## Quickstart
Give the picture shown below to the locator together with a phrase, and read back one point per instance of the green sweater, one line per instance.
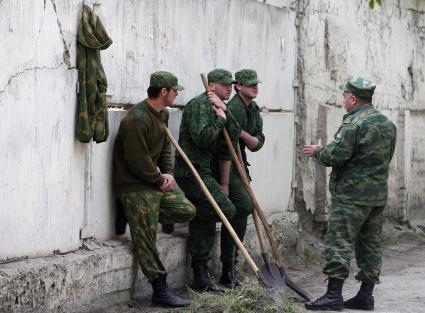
(142, 150)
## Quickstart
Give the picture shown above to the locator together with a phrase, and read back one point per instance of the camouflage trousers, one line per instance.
(236, 207)
(359, 226)
(144, 209)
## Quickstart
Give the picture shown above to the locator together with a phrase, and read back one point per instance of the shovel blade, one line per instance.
(271, 277)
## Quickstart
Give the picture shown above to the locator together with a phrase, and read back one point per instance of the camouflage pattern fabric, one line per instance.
(165, 79)
(247, 77)
(359, 86)
(360, 155)
(357, 225)
(201, 139)
(220, 76)
(249, 119)
(200, 130)
(92, 106)
(143, 210)
(202, 228)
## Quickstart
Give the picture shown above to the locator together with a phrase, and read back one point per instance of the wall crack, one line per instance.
(35, 68)
(66, 55)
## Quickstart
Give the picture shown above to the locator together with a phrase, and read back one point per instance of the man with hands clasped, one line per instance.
(144, 181)
(203, 121)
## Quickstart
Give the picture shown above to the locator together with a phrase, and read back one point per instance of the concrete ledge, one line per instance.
(104, 273)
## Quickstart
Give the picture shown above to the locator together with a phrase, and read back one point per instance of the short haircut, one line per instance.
(364, 99)
(153, 92)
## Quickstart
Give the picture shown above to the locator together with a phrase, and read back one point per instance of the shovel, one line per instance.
(275, 280)
(269, 270)
(221, 215)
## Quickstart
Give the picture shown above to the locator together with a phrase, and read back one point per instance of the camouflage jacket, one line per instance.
(141, 147)
(360, 155)
(92, 105)
(201, 137)
(249, 119)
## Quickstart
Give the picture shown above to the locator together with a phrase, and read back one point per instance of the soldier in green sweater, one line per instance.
(359, 155)
(204, 119)
(144, 181)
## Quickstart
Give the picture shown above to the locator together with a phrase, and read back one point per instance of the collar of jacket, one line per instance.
(358, 109)
(252, 106)
(160, 115)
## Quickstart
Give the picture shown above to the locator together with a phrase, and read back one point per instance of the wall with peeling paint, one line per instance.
(55, 191)
(339, 39)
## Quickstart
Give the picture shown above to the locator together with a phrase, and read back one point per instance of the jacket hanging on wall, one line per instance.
(92, 105)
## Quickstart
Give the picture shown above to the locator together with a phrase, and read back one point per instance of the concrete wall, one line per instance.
(42, 166)
(55, 191)
(338, 39)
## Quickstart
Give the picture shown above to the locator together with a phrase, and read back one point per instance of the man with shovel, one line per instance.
(203, 121)
(247, 115)
(359, 155)
(144, 182)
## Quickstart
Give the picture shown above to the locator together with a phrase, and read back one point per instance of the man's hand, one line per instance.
(216, 101)
(169, 183)
(225, 189)
(310, 149)
(219, 112)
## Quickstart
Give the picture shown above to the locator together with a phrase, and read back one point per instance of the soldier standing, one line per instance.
(359, 155)
(149, 195)
(203, 120)
(247, 115)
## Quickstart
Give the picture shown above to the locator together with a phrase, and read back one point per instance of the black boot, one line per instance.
(163, 296)
(331, 300)
(201, 279)
(229, 275)
(363, 300)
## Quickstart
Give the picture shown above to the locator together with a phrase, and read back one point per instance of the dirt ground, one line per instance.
(402, 288)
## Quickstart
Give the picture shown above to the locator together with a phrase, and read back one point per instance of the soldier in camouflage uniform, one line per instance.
(359, 155)
(204, 118)
(247, 115)
(144, 182)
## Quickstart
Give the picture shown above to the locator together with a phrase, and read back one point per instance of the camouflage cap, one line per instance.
(359, 86)
(165, 80)
(220, 76)
(247, 77)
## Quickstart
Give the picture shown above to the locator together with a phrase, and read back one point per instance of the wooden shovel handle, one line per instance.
(254, 214)
(214, 204)
(245, 181)
(257, 207)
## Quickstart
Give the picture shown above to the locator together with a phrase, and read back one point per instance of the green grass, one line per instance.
(388, 240)
(311, 257)
(250, 297)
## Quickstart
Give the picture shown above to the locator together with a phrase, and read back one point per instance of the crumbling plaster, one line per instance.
(345, 38)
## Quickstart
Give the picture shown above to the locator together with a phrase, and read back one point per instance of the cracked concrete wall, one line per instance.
(42, 166)
(339, 39)
(55, 191)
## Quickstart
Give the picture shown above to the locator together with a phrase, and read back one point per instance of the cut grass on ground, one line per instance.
(250, 297)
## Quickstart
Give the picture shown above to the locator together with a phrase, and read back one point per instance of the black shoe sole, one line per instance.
(361, 308)
(165, 305)
(312, 308)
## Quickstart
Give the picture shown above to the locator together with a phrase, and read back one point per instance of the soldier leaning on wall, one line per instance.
(246, 113)
(204, 118)
(359, 155)
(147, 194)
